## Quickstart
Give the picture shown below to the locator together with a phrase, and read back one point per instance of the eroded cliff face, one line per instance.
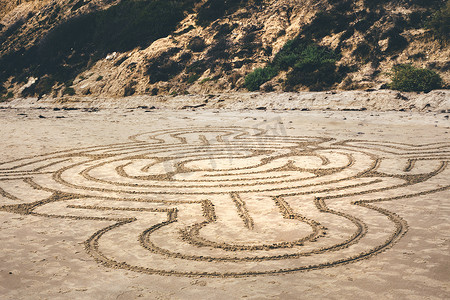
(79, 46)
(6, 6)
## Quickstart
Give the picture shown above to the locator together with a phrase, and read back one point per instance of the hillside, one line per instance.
(114, 48)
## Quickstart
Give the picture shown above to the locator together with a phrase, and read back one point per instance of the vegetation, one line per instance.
(77, 43)
(205, 80)
(407, 78)
(4, 97)
(315, 67)
(69, 91)
(259, 76)
(73, 45)
(307, 64)
(43, 86)
(440, 23)
(193, 78)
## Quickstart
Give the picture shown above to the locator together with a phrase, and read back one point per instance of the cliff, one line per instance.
(121, 48)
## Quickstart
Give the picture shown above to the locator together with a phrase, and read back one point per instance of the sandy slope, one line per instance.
(44, 257)
(379, 100)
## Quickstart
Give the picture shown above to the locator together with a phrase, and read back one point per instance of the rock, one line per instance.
(111, 56)
(400, 96)
(193, 106)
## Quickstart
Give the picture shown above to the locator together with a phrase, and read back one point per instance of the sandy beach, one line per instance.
(133, 201)
(216, 150)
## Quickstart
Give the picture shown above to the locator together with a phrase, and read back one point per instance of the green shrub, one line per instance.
(315, 68)
(9, 95)
(307, 64)
(410, 79)
(315, 76)
(193, 78)
(316, 55)
(44, 85)
(205, 80)
(69, 91)
(440, 23)
(100, 77)
(298, 50)
(259, 76)
(289, 54)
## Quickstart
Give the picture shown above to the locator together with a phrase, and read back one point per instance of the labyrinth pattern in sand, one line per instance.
(228, 201)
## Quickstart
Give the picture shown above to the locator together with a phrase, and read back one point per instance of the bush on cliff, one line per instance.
(306, 63)
(407, 78)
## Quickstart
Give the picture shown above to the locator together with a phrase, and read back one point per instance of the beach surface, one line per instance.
(128, 201)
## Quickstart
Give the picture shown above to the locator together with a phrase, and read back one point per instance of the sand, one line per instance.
(180, 204)
(370, 100)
